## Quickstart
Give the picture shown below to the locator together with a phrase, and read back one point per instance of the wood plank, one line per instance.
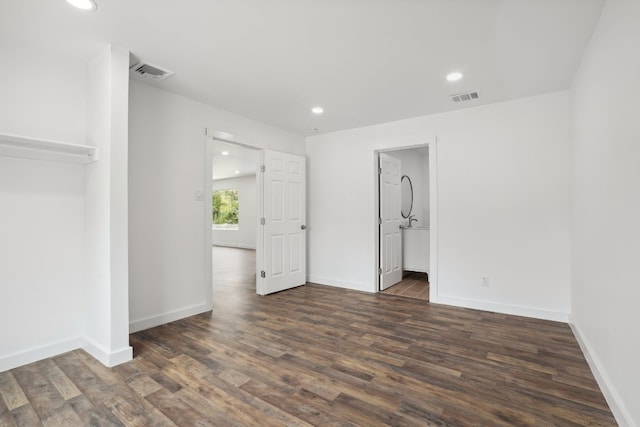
(176, 410)
(60, 381)
(90, 415)
(63, 417)
(107, 375)
(6, 420)
(304, 408)
(131, 413)
(43, 396)
(317, 355)
(12, 395)
(144, 385)
(94, 390)
(25, 415)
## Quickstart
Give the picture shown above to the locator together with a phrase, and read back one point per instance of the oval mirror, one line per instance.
(407, 196)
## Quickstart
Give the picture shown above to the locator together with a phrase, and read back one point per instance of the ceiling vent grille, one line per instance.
(465, 96)
(150, 71)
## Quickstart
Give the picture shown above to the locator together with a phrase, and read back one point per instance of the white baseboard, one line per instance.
(38, 353)
(515, 310)
(161, 319)
(415, 269)
(108, 358)
(612, 397)
(364, 287)
(234, 245)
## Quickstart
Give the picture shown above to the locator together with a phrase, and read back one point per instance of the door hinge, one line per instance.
(379, 221)
(379, 171)
(262, 168)
(262, 221)
(379, 272)
(263, 274)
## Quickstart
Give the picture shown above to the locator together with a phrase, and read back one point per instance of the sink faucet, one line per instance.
(412, 218)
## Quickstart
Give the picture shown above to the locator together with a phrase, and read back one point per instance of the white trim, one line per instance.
(261, 282)
(619, 410)
(221, 227)
(210, 136)
(206, 220)
(161, 319)
(223, 136)
(433, 218)
(108, 359)
(43, 149)
(38, 353)
(364, 287)
(516, 310)
(376, 222)
(233, 245)
(415, 269)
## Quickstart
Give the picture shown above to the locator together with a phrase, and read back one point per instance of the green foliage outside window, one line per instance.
(225, 209)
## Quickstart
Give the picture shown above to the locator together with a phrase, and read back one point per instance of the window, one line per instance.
(225, 210)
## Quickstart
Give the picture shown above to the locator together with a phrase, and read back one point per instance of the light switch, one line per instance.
(198, 195)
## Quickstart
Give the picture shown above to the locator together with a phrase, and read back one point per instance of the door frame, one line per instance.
(210, 136)
(433, 212)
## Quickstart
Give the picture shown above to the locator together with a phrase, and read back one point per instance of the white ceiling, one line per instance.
(364, 61)
(239, 159)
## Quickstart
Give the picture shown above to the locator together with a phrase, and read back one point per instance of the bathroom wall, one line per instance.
(415, 164)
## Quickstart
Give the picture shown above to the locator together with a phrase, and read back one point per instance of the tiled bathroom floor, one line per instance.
(413, 285)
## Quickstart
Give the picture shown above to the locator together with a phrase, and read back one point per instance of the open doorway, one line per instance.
(233, 199)
(266, 216)
(406, 218)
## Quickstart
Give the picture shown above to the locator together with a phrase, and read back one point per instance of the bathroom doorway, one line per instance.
(406, 213)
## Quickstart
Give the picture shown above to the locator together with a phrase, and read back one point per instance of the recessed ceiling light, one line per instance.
(225, 153)
(88, 5)
(454, 77)
(312, 130)
(317, 110)
(236, 172)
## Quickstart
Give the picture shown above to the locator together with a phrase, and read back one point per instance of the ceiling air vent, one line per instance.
(151, 71)
(465, 96)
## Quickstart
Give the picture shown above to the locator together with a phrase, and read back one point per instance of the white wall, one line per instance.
(106, 232)
(64, 235)
(166, 224)
(41, 258)
(245, 236)
(503, 204)
(48, 105)
(606, 206)
(41, 207)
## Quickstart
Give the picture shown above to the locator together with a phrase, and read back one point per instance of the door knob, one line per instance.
(303, 227)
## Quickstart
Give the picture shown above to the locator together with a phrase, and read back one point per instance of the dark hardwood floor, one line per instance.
(317, 355)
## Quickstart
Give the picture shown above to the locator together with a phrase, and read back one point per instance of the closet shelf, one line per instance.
(42, 149)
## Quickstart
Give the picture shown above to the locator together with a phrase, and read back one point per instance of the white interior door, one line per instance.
(283, 259)
(390, 232)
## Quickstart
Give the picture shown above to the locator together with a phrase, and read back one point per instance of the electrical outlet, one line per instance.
(485, 280)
